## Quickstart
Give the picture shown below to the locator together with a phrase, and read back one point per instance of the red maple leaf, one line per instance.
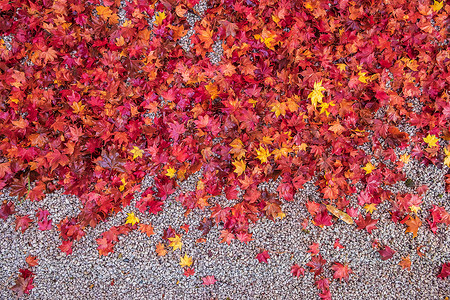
(209, 280)
(24, 283)
(296, 270)
(341, 271)
(66, 247)
(6, 210)
(386, 253)
(314, 249)
(23, 222)
(366, 223)
(445, 271)
(323, 218)
(316, 264)
(263, 256)
(189, 272)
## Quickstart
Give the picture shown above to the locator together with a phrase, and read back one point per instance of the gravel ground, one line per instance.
(138, 273)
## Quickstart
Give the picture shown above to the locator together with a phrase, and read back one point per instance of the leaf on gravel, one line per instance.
(405, 263)
(340, 214)
(23, 222)
(263, 256)
(341, 271)
(366, 223)
(132, 219)
(413, 225)
(6, 210)
(66, 247)
(316, 264)
(314, 249)
(175, 242)
(185, 261)
(386, 253)
(31, 261)
(147, 229)
(24, 283)
(296, 270)
(208, 280)
(160, 250)
(189, 272)
(445, 271)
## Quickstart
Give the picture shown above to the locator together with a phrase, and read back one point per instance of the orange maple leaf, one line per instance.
(160, 250)
(413, 225)
(146, 228)
(405, 263)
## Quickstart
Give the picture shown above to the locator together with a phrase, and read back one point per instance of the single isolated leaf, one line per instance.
(314, 249)
(23, 222)
(386, 253)
(189, 272)
(185, 261)
(405, 263)
(316, 264)
(31, 261)
(445, 271)
(175, 242)
(413, 225)
(296, 270)
(263, 256)
(132, 219)
(341, 271)
(147, 229)
(209, 280)
(160, 250)
(366, 223)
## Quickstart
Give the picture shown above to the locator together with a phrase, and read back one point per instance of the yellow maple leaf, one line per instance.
(369, 168)
(370, 208)
(414, 209)
(324, 106)
(104, 12)
(281, 215)
(281, 152)
(160, 16)
(238, 148)
(405, 158)
(132, 219)
(431, 140)
(436, 6)
(175, 242)
(171, 172)
(78, 107)
(447, 158)
(263, 154)
(316, 95)
(240, 166)
(278, 108)
(341, 67)
(122, 187)
(267, 140)
(185, 261)
(362, 77)
(136, 152)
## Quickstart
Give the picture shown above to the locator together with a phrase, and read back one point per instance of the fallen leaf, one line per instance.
(405, 263)
(31, 261)
(341, 271)
(185, 261)
(340, 214)
(132, 219)
(208, 280)
(160, 250)
(263, 256)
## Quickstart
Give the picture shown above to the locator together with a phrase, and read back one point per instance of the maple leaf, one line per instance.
(431, 140)
(436, 6)
(132, 219)
(23, 222)
(362, 77)
(147, 229)
(237, 150)
(104, 12)
(405, 158)
(240, 167)
(316, 264)
(386, 253)
(226, 236)
(6, 210)
(316, 95)
(314, 249)
(366, 223)
(136, 152)
(337, 244)
(405, 263)
(296, 270)
(185, 261)
(445, 271)
(368, 168)
(31, 261)
(159, 18)
(24, 283)
(112, 161)
(322, 219)
(66, 247)
(413, 225)
(263, 154)
(341, 271)
(370, 208)
(189, 272)
(160, 250)
(209, 280)
(263, 256)
(175, 242)
(171, 172)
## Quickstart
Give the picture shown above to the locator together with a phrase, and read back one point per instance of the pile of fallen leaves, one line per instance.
(91, 102)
